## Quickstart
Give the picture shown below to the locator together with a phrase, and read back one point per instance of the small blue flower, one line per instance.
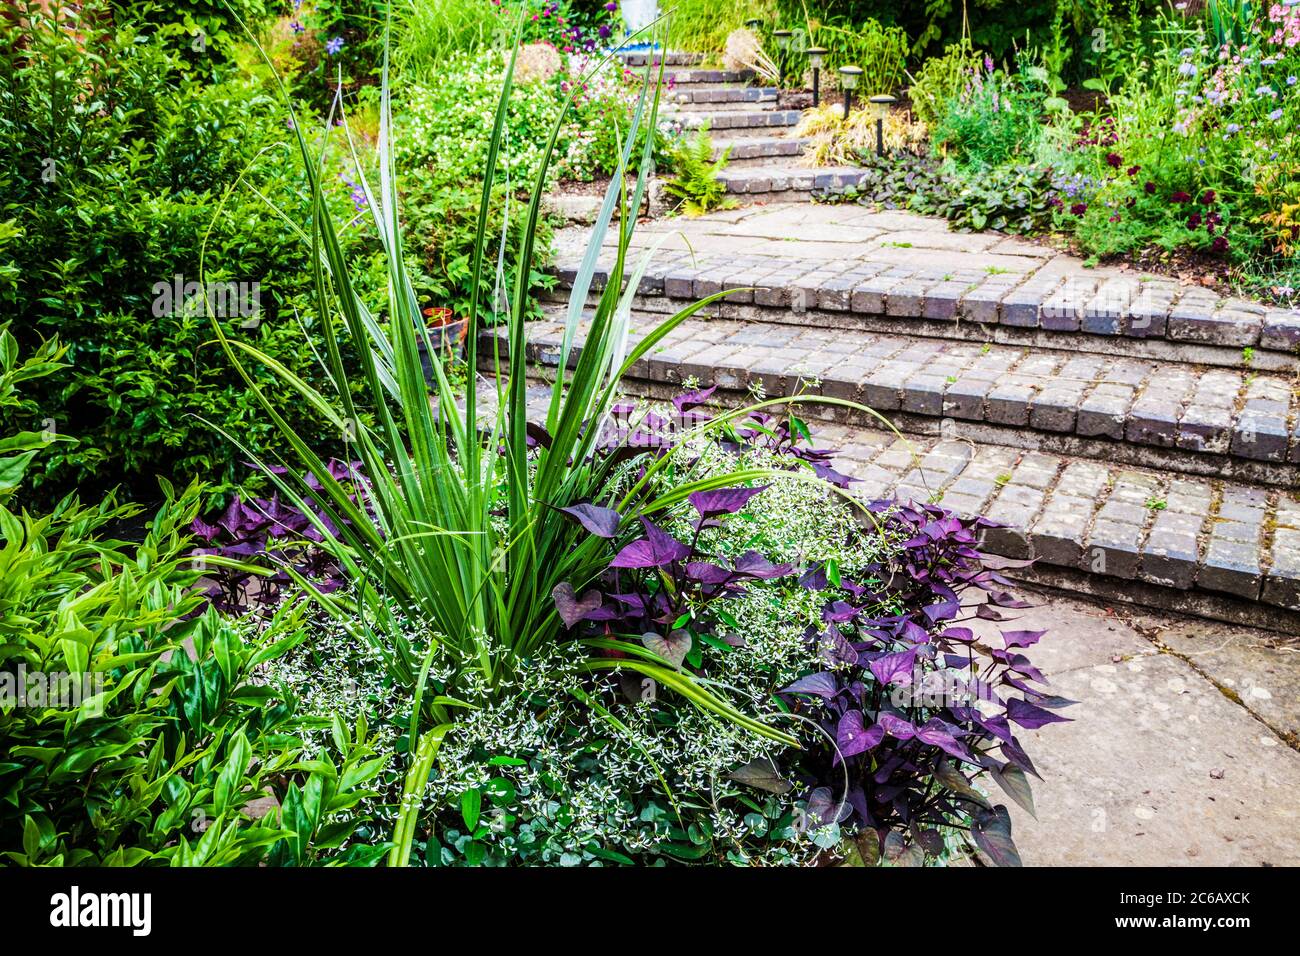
(1275, 115)
(1291, 80)
(1234, 128)
(296, 27)
(334, 46)
(1187, 69)
(1265, 91)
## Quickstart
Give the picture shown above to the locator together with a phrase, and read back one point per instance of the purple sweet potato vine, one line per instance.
(912, 707)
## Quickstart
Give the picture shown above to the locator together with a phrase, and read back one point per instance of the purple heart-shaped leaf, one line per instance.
(602, 522)
(852, 738)
(572, 608)
(656, 550)
(821, 684)
(672, 648)
(723, 501)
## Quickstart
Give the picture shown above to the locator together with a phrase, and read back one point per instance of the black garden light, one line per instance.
(880, 107)
(815, 55)
(753, 23)
(849, 76)
(783, 38)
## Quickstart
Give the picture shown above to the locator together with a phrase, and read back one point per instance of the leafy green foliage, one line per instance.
(116, 178)
(695, 180)
(131, 730)
(941, 80)
(994, 119)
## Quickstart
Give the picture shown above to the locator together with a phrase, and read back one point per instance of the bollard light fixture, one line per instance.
(849, 76)
(815, 56)
(880, 106)
(783, 38)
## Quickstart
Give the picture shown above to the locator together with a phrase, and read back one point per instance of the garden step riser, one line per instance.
(1120, 310)
(712, 96)
(760, 150)
(1220, 549)
(676, 78)
(772, 182)
(657, 57)
(733, 120)
(1073, 405)
(960, 329)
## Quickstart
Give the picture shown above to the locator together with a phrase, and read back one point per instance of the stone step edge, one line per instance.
(957, 329)
(732, 120)
(1215, 549)
(760, 147)
(777, 179)
(655, 57)
(1113, 307)
(723, 95)
(997, 405)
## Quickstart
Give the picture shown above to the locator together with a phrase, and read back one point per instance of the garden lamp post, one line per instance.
(753, 23)
(880, 106)
(783, 38)
(815, 54)
(849, 76)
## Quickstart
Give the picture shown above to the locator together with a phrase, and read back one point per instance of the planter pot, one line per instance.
(445, 335)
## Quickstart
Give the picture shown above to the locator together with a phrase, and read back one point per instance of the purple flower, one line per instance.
(611, 7)
(296, 27)
(334, 46)
(1275, 115)
(604, 32)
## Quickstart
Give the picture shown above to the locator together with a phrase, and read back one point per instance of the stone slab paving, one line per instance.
(842, 265)
(1159, 765)
(1203, 421)
(1180, 535)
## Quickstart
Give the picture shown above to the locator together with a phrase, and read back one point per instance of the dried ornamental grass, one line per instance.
(745, 52)
(835, 142)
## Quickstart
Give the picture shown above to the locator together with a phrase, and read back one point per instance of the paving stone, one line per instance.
(1022, 306)
(1148, 313)
(1103, 313)
(1280, 330)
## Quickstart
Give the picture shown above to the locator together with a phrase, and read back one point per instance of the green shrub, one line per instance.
(131, 730)
(995, 119)
(112, 192)
(880, 51)
(941, 81)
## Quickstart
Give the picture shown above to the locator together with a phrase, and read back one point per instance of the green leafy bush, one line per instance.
(116, 180)
(996, 118)
(132, 731)
(941, 80)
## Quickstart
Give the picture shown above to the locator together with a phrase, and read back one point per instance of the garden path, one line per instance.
(1139, 438)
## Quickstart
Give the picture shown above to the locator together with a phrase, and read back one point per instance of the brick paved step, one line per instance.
(1195, 421)
(744, 116)
(711, 77)
(1156, 320)
(760, 149)
(1196, 544)
(786, 181)
(655, 57)
(698, 94)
